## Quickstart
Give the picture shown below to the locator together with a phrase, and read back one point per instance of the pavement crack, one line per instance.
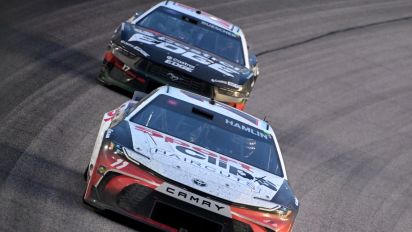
(265, 52)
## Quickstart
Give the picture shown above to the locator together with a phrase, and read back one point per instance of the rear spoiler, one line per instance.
(138, 95)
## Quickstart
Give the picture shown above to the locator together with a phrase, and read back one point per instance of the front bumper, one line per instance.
(127, 188)
(119, 70)
(156, 209)
(112, 73)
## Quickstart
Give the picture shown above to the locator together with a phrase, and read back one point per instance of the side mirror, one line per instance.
(252, 60)
(135, 16)
(138, 95)
(254, 64)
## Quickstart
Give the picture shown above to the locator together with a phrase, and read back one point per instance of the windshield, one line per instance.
(212, 131)
(195, 32)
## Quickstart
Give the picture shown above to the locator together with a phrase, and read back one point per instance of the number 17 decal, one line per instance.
(125, 68)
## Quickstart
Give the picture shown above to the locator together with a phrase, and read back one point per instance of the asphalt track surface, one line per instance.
(336, 84)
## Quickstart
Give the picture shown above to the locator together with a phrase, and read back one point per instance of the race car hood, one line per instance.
(199, 168)
(180, 56)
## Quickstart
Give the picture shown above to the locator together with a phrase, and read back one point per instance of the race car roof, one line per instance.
(202, 15)
(217, 107)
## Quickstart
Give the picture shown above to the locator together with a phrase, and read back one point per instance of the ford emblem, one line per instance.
(173, 77)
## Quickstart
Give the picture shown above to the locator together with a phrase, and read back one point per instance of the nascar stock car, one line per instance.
(179, 161)
(173, 44)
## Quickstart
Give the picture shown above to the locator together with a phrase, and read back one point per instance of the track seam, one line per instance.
(332, 33)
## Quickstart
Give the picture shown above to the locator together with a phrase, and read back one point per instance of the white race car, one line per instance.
(179, 161)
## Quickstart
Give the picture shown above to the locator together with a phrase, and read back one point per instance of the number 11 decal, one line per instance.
(119, 164)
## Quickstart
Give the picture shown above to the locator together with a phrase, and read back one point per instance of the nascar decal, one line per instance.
(194, 199)
(199, 157)
(192, 54)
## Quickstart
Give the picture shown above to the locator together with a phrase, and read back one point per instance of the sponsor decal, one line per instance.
(194, 199)
(137, 48)
(229, 83)
(250, 130)
(199, 157)
(226, 32)
(179, 64)
(185, 6)
(109, 116)
(189, 53)
(108, 133)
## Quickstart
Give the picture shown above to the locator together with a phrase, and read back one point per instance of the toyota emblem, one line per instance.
(201, 183)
